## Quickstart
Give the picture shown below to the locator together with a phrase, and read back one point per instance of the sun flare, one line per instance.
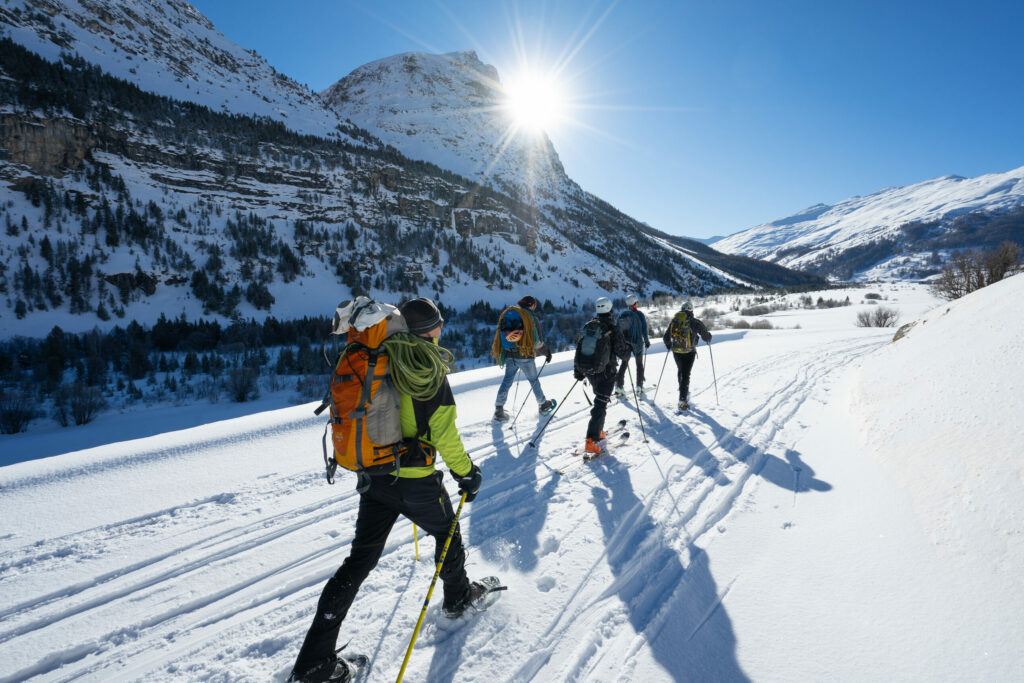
(534, 103)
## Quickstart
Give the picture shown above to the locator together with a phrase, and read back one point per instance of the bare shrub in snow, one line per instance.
(762, 325)
(17, 408)
(85, 403)
(879, 317)
(966, 272)
(242, 385)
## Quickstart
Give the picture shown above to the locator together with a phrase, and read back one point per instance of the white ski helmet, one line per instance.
(687, 306)
(631, 300)
(603, 305)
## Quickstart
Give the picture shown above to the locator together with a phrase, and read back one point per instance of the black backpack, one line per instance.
(594, 350)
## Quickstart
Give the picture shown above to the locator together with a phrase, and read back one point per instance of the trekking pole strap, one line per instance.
(430, 591)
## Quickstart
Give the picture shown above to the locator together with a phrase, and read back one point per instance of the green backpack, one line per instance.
(681, 334)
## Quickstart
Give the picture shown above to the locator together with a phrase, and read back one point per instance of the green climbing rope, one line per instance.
(417, 366)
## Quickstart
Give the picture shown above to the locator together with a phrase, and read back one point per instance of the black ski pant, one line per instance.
(603, 386)
(620, 379)
(425, 502)
(684, 365)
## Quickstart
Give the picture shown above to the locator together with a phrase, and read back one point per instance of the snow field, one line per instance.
(759, 538)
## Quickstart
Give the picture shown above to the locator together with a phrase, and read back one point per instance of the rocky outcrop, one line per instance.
(47, 146)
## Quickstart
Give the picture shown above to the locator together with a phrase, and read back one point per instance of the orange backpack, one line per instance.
(366, 427)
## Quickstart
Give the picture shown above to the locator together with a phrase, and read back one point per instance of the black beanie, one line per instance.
(421, 315)
(527, 301)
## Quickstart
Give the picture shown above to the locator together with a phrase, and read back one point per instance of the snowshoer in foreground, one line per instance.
(633, 324)
(516, 345)
(415, 490)
(682, 337)
(599, 346)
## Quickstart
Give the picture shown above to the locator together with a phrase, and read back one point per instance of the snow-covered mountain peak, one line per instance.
(909, 224)
(448, 109)
(167, 47)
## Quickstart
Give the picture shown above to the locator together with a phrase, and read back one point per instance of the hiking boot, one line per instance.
(683, 405)
(620, 392)
(456, 608)
(334, 669)
(547, 406)
(499, 414)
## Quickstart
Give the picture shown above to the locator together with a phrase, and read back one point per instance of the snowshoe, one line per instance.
(335, 669)
(500, 415)
(683, 406)
(478, 600)
(548, 406)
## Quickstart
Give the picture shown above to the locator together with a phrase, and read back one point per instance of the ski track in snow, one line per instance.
(264, 549)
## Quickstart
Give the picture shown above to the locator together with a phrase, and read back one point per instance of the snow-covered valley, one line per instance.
(849, 509)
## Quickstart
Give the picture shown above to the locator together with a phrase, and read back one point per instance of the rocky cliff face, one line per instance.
(50, 146)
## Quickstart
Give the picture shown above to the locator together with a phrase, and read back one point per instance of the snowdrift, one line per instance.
(943, 410)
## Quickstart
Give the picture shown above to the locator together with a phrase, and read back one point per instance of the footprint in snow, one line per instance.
(545, 584)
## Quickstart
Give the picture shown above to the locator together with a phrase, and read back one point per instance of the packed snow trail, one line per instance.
(199, 555)
(246, 569)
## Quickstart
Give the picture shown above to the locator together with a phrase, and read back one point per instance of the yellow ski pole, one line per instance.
(433, 582)
(416, 542)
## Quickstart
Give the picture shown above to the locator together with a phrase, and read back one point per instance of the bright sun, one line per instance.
(535, 103)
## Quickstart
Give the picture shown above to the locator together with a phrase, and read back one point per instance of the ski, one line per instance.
(614, 440)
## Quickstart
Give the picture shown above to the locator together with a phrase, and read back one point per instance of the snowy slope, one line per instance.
(950, 427)
(439, 234)
(821, 230)
(802, 529)
(167, 47)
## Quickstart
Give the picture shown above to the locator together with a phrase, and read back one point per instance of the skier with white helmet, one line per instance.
(599, 347)
(633, 324)
(682, 337)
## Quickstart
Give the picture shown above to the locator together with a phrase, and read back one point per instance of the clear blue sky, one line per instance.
(706, 118)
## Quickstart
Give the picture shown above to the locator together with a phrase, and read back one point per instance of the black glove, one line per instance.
(578, 375)
(707, 339)
(470, 482)
(547, 356)
(648, 344)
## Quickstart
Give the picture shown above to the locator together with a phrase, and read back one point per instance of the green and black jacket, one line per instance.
(436, 417)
